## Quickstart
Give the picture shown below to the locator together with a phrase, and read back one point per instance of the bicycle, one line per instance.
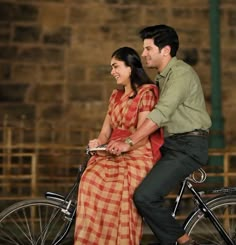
(35, 221)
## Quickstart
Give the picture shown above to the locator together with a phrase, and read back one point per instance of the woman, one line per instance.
(106, 213)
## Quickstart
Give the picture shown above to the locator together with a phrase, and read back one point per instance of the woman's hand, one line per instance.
(94, 143)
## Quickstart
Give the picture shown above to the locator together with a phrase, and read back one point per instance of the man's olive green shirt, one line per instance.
(181, 107)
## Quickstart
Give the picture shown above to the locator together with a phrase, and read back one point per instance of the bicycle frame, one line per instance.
(70, 209)
(209, 214)
(202, 206)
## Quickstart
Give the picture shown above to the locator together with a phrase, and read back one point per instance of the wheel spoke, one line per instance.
(35, 222)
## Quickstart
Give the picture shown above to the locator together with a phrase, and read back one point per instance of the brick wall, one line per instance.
(55, 54)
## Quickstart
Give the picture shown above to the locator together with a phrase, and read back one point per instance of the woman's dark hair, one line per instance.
(162, 35)
(131, 58)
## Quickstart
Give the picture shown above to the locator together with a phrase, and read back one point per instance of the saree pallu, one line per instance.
(106, 214)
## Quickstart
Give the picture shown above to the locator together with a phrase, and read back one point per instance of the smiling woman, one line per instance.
(121, 73)
(106, 213)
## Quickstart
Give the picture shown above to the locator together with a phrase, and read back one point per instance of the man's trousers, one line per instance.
(181, 155)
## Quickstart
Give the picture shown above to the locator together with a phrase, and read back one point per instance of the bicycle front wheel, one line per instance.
(34, 222)
(201, 229)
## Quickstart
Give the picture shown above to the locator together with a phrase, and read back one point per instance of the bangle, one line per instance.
(129, 141)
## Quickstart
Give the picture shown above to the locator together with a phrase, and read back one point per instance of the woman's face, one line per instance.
(120, 72)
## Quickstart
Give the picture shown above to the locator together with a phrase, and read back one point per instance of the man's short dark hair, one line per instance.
(163, 35)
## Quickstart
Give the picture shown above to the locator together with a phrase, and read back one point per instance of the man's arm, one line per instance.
(147, 128)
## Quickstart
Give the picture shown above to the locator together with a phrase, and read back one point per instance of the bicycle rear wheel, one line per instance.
(203, 231)
(34, 222)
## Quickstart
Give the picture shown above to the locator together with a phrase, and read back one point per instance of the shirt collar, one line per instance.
(167, 68)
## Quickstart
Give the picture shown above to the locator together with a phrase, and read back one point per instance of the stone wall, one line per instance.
(55, 54)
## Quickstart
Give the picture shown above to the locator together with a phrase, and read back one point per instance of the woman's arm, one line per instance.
(105, 131)
(104, 134)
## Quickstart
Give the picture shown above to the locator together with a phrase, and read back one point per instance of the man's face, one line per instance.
(152, 54)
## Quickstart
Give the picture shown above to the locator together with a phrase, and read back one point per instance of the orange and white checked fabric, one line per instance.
(106, 214)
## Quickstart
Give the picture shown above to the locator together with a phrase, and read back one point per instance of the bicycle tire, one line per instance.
(203, 231)
(38, 222)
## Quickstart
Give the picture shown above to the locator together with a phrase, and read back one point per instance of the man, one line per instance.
(181, 111)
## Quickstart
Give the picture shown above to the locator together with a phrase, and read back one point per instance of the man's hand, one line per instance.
(147, 128)
(117, 147)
